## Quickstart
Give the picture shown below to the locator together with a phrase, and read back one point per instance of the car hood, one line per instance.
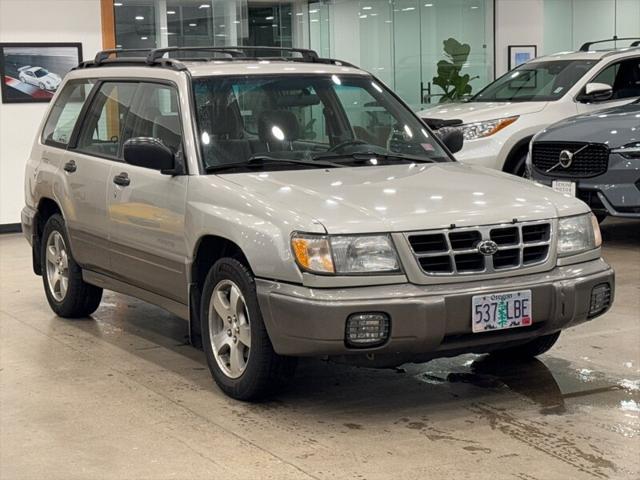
(470, 112)
(52, 77)
(615, 127)
(405, 197)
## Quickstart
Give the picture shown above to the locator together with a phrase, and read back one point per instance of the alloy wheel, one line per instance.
(57, 266)
(229, 328)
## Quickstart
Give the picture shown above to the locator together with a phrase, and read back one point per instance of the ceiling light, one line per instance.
(139, 17)
(193, 24)
(171, 12)
(144, 38)
(268, 18)
(204, 5)
(428, 4)
(313, 11)
(117, 4)
(367, 8)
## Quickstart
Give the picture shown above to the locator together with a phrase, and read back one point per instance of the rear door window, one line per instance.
(104, 124)
(64, 113)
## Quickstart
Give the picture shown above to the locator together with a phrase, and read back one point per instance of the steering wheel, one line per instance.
(347, 143)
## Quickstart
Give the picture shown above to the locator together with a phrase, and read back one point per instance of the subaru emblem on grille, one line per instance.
(487, 247)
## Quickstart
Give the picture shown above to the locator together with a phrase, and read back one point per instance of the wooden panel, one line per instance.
(108, 24)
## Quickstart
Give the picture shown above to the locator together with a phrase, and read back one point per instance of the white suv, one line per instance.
(501, 119)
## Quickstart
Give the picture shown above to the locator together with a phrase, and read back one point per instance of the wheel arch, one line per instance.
(515, 154)
(45, 209)
(207, 251)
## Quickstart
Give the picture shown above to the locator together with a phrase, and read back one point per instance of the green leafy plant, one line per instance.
(454, 85)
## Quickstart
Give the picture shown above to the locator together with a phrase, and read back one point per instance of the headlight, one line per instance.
(473, 131)
(631, 150)
(578, 234)
(345, 254)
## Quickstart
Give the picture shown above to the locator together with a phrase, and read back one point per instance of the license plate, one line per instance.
(563, 186)
(499, 311)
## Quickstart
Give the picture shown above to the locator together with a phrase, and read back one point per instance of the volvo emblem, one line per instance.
(566, 158)
(487, 247)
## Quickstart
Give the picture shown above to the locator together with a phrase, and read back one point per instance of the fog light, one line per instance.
(367, 329)
(600, 299)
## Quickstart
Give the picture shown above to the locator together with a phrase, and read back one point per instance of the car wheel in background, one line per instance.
(41, 86)
(68, 294)
(238, 350)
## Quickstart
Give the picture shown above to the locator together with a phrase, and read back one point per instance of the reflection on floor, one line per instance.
(123, 396)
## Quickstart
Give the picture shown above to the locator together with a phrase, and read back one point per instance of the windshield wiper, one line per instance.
(363, 156)
(263, 159)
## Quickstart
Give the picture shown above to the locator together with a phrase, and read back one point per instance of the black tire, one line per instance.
(80, 299)
(265, 370)
(530, 349)
(600, 216)
(520, 166)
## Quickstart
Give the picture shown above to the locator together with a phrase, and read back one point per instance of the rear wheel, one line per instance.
(239, 353)
(530, 349)
(67, 293)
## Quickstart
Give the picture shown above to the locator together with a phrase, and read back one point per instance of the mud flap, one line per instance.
(195, 328)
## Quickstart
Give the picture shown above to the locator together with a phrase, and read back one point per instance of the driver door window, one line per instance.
(103, 127)
(624, 78)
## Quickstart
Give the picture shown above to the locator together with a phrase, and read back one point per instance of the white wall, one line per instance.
(36, 21)
(518, 22)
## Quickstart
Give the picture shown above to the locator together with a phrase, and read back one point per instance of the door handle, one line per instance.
(70, 166)
(122, 179)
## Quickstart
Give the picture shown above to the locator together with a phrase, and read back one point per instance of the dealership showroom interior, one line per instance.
(320, 239)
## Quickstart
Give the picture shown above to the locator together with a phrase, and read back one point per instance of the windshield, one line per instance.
(306, 117)
(536, 81)
(41, 72)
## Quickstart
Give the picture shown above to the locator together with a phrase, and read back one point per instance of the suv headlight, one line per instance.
(473, 131)
(631, 150)
(578, 234)
(345, 254)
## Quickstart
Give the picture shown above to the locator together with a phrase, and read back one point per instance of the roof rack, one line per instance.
(587, 46)
(156, 57)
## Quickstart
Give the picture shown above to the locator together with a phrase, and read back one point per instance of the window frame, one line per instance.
(73, 142)
(88, 100)
(580, 92)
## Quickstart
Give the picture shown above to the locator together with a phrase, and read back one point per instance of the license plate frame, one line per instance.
(506, 310)
(566, 187)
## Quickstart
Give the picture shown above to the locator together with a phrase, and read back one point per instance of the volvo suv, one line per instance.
(594, 157)
(499, 121)
(287, 205)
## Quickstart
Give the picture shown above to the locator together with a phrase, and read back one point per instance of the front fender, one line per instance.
(262, 233)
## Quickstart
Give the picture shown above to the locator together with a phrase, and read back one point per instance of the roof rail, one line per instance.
(156, 57)
(306, 55)
(587, 46)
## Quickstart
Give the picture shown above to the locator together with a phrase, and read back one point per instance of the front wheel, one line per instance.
(530, 349)
(238, 350)
(67, 293)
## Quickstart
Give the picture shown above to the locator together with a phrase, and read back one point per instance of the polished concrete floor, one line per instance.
(121, 396)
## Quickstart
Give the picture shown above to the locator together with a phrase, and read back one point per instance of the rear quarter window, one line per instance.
(65, 112)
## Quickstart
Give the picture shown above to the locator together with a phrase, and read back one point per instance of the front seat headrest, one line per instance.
(278, 126)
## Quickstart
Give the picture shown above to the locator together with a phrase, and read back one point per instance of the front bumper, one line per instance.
(434, 320)
(616, 192)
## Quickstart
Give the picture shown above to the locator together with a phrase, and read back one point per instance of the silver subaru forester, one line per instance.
(287, 205)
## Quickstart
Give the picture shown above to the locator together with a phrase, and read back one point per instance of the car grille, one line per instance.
(592, 160)
(455, 251)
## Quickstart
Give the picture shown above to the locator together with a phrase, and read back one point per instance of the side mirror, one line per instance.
(452, 138)
(149, 152)
(596, 92)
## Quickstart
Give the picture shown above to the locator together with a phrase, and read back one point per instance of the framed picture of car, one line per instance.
(519, 54)
(32, 72)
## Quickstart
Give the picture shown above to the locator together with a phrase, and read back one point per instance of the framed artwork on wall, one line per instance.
(519, 54)
(32, 72)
